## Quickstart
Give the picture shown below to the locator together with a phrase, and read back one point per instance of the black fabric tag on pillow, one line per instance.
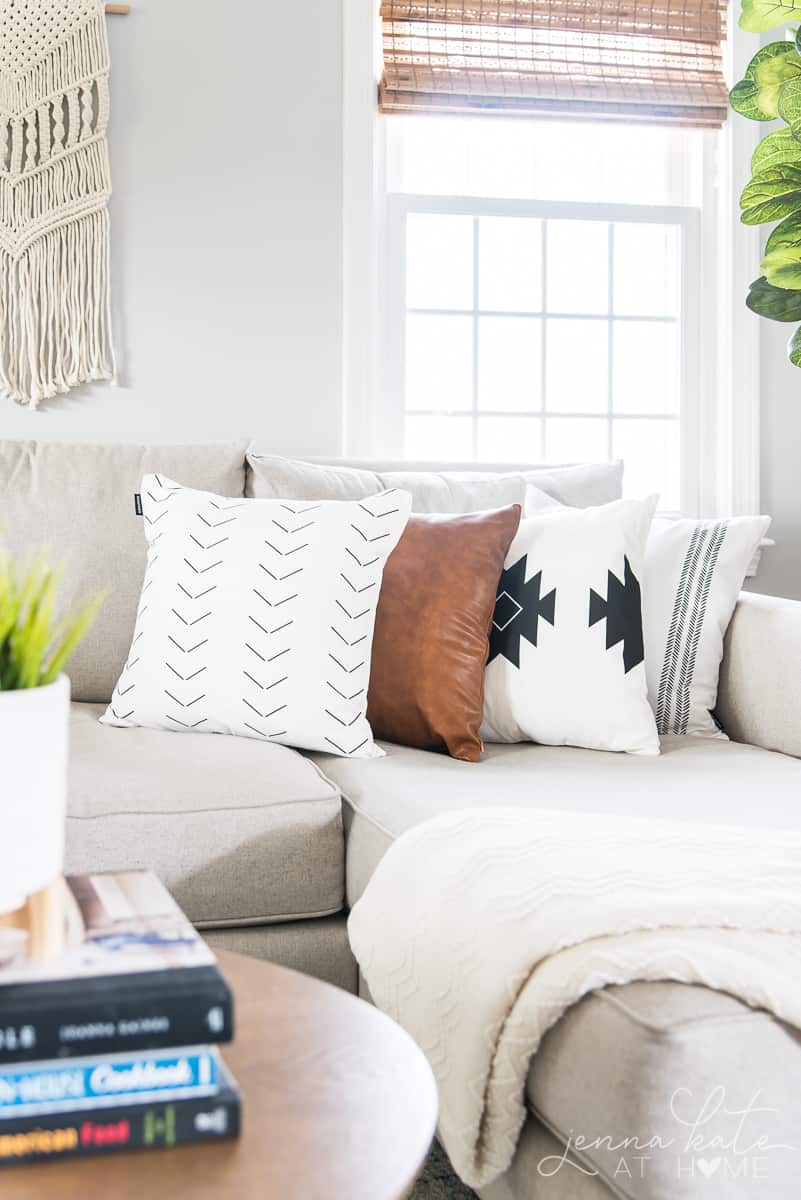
(138, 504)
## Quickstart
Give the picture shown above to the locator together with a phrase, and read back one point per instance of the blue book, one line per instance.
(137, 1124)
(107, 1081)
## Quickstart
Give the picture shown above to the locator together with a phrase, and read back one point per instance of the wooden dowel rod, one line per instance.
(118, 10)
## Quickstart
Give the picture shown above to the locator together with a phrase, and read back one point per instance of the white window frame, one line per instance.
(721, 439)
(686, 219)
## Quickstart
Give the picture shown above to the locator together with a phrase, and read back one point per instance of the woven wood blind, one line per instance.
(635, 60)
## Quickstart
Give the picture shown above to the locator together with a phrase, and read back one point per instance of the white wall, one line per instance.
(226, 163)
(780, 573)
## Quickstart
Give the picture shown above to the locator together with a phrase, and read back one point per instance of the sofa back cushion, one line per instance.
(434, 488)
(77, 502)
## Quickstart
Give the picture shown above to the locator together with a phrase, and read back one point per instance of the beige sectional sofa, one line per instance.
(265, 848)
(248, 837)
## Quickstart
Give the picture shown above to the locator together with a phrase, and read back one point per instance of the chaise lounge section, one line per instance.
(266, 848)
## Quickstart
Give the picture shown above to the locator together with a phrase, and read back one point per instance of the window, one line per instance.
(531, 287)
(547, 329)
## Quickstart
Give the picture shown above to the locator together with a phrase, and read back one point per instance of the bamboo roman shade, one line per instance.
(658, 61)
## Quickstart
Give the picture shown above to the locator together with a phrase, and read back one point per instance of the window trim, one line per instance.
(726, 443)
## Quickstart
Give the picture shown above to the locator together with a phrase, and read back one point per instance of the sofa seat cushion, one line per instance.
(240, 831)
(610, 1068)
(678, 1063)
(694, 779)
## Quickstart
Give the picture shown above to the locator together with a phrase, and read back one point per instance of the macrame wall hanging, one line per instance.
(55, 319)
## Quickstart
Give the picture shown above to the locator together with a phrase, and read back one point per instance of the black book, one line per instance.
(135, 975)
(141, 1124)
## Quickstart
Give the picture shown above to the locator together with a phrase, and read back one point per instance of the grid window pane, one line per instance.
(489, 381)
(577, 360)
(510, 439)
(650, 450)
(439, 261)
(573, 439)
(509, 364)
(510, 264)
(439, 363)
(646, 371)
(647, 270)
(578, 266)
(439, 438)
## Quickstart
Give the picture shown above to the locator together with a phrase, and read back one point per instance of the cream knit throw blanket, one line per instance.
(55, 326)
(480, 929)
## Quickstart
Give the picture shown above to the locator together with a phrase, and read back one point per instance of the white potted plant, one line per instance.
(34, 716)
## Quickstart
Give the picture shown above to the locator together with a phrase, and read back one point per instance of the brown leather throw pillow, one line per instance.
(431, 633)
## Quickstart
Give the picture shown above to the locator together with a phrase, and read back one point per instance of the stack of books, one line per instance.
(113, 1046)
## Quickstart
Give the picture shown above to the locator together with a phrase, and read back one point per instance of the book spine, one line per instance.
(120, 1026)
(79, 1083)
(133, 1127)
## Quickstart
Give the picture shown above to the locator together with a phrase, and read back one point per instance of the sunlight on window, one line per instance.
(578, 267)
(647, 269)
(576, 440)
(510, 439)
(646, 360)
(544, 160)
(439, 363)
(439, 262)
(543, 311)
(509, 364)
(650, 450)
(510, 274)
(578, 366)
(439, 437)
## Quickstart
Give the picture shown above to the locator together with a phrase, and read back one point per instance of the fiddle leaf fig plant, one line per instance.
(769, 91)
(761, 15)
(757, 95)
(782, 261)
(35, 647)
(776, 303)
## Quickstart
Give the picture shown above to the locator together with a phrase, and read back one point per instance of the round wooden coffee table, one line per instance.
(338, 1104)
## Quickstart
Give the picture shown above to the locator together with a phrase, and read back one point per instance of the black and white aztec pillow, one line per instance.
(694, 571)
(257, 616)
(566, 662)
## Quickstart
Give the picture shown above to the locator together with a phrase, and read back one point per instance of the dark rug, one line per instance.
(438, 1181)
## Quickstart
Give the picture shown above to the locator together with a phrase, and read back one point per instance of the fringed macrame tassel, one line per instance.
(55, 319)
(55, 182)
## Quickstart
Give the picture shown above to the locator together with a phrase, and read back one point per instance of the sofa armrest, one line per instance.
(759, 698)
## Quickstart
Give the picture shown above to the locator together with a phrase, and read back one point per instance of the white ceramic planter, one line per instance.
(34, 726)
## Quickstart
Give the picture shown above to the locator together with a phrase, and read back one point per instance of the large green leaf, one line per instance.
(761, 15)
(777, 304)
(794, 348)
(756, 95)
(789, 105)
(771, 195)
(786, 236)
(743, 99)
(775, 149)
(783, 270)
(772, 77)
(782, 262)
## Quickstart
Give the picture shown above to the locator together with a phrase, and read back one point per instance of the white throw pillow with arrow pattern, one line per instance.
(257, 617)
